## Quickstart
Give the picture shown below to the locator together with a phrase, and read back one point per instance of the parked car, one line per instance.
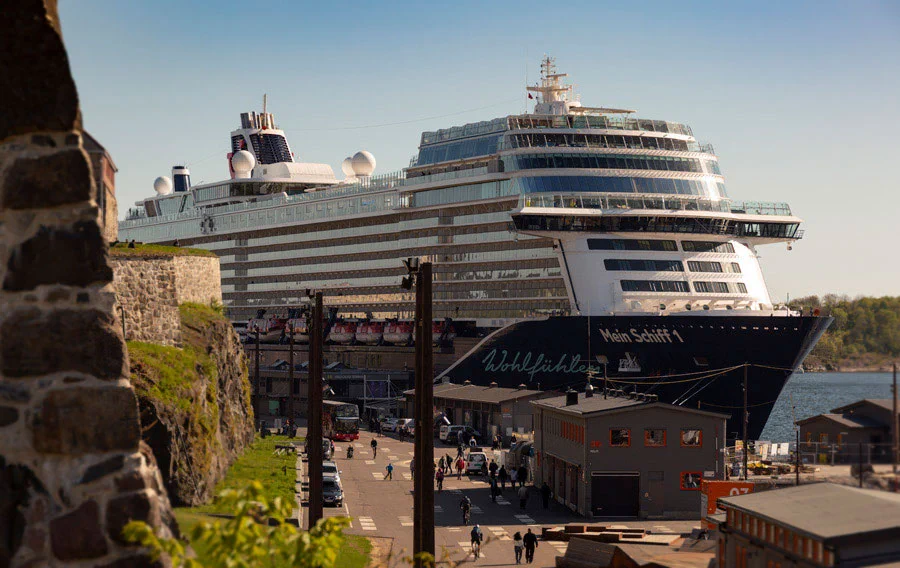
(332, 492)
(330, 471)
(389, 424)
(457, 434)
(476, 463)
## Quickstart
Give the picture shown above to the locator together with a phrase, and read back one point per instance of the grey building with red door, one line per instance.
(626, 456)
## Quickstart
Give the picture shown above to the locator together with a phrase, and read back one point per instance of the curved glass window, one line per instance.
(573, 140)
(459, 150)
(576, 184)
(602, 161)
(654, 286)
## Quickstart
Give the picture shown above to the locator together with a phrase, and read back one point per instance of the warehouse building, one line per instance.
(489, 409)
(626, 456)
(862, 426)
(821, 524)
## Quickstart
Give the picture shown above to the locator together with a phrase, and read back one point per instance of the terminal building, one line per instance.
(612, 455)
(489, 409)
(821, 524)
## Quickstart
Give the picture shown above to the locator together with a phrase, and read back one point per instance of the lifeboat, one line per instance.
(370, 333)
(442, 330)
(398, 333)
(270, 329)
(299, 328)
(343, 333)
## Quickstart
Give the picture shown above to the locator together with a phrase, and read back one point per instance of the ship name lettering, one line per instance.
(644, 335)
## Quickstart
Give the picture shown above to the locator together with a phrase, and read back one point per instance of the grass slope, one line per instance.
(154, 251)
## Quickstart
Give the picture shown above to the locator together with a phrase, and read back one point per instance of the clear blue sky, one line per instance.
(800, 99)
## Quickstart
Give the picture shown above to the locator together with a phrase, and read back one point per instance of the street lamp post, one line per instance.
(423, 486)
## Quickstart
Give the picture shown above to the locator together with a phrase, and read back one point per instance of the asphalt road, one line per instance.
(380, 507)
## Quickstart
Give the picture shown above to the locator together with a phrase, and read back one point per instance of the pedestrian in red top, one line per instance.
(460, 465)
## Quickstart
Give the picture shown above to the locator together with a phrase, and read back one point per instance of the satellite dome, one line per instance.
(162, 185)
(347, 166)
(363, 163)
(243, 162)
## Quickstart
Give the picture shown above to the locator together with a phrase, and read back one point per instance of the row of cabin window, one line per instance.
(659, 245)
(682, 286)
(636, 264)
(779, 536)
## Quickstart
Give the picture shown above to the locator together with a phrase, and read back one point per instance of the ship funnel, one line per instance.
(181, 178)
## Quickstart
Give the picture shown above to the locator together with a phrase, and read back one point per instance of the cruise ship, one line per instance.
(577, 243)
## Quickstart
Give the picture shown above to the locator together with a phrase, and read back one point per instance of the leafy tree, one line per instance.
(257, 535)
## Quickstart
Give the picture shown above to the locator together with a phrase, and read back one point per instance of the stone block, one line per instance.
(75, 256)
(135, 507)
(102, 469)
(8, 415)
(78, 535)
(34, 59)
(131, 481)
(35, 343)
(82, 420)
(47, 181)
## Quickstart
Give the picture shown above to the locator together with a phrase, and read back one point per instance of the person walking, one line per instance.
(523, 497)
(460, 452)
(460, 465)
(545, 495)
(374, 445)
(502, 475)
(530, 542)
(390, 472)
(441, 463)
(472, 443)
(513, 475)
(494, 489)
(518, 546)
(522, 475)
(439, 477)
(493, 468)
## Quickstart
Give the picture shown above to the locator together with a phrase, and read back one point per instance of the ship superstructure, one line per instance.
(568, 210)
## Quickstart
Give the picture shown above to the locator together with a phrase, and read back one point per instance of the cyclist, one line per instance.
(466, 505)
(374, 448)
(477, 537)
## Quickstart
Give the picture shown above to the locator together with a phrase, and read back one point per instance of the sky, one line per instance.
(799, 99)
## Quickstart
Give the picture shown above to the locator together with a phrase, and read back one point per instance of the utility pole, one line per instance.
(746, 422)
(895, 427)
(314, 414)
(860, 466)
(797, 455)
(423, 484)
(290, 329)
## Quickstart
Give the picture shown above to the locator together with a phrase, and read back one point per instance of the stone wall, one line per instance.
(73, 470)
(151, 288)
(198, 279)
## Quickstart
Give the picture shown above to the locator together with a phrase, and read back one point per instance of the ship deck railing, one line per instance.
(668, 203)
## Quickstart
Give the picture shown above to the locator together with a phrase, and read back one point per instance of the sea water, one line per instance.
(818, 393)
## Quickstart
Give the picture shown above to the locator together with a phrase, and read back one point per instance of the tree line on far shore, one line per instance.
(865, 333)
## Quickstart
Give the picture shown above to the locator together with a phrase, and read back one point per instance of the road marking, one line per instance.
(454, 529)
(393, 458)
(525, 519)
(406, 522)
(411, 453)
(377, 475)
(357, 444)
(502, 501)
(370, 462)
(456, 491)
(477, 510)
(560, 546)
(367, 524)
(407, 476)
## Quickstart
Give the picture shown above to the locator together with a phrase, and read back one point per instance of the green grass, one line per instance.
(259, 463)
(354, 553)
(155, 251)
(276, 473)
(170, 374)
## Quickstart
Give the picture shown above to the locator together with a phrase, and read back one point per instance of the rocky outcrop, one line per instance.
(194, 402)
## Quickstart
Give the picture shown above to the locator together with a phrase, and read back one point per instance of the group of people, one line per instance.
(527, 544)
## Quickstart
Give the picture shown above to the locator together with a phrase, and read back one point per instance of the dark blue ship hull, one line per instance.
(690, 360)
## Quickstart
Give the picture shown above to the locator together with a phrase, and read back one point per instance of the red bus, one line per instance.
(340, 420)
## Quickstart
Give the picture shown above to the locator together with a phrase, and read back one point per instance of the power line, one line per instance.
(412, 121)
